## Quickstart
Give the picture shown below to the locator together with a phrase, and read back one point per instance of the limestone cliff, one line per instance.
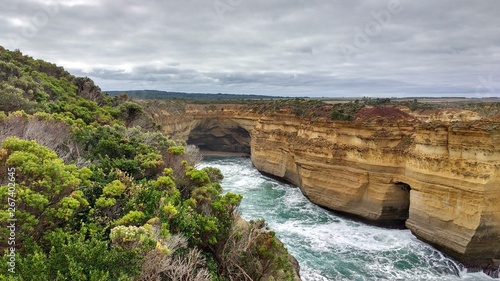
(441, 176)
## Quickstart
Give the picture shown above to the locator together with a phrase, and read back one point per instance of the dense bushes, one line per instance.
(13, 99)
(47, 189)
(127, 149)
(115, 202)
(78, 256)
(53, 206)
(34, 85)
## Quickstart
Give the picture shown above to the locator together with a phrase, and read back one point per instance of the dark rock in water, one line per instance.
(491, 271)
(448, 268)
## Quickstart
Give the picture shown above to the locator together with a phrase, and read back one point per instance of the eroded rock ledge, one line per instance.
(441, 176)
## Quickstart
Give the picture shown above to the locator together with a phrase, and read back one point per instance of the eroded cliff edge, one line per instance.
(439, 174)
(442, 178)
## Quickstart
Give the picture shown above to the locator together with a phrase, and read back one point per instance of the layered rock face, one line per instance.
(441, 177)
(341, 166)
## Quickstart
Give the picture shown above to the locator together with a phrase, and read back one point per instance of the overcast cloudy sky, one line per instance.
(281, 47)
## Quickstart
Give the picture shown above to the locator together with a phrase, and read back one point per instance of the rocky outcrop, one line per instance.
(440, 176)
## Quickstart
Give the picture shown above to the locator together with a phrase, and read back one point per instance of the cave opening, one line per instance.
(402, 200)
(220, 136)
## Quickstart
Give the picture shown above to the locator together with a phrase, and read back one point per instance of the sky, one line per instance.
(319, 48)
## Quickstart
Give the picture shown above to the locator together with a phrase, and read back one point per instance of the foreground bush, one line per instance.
(98, 197)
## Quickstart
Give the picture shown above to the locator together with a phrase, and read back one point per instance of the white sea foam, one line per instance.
(330, 247)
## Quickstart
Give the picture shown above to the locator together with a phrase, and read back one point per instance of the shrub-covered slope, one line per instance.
(91, 190)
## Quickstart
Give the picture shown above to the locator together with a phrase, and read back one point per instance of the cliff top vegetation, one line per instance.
(366, 108)
(98, 193)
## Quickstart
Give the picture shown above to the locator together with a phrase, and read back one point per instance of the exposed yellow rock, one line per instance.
(450, 160)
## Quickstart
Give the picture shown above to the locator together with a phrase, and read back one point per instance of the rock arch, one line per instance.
(215, 134)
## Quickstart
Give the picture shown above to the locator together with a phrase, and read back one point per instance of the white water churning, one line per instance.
(328, 246)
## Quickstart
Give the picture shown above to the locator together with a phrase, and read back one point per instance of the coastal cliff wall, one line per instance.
(441, 177)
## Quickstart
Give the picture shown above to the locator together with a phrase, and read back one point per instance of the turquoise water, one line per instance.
(329, 247)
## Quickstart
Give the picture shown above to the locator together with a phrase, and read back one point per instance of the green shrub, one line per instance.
(44, 185)
(130, 236)
(129, 110)
(214, 174)
(132, 218)
(13, 99)
(114, 188)
(163, 183)
(75, 257)
(198, 177)
(103, 202)
(176, 150)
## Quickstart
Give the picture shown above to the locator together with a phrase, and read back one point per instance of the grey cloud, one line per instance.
(293, 47)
